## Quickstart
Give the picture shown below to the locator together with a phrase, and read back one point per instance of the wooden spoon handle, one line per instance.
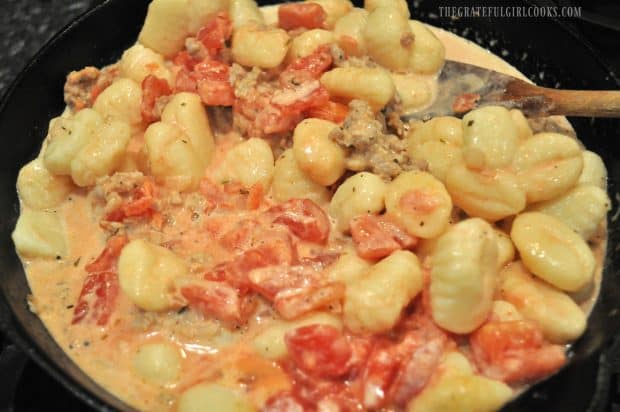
(542, 101)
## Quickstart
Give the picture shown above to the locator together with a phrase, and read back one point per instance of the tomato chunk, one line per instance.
(215, 33)
(320, 350)
(220, 300)
(152, 88)
(293, 304)
(306, 68)
(376, 237)
(241, 236)
(107, 260)
(380, 371)
(142, 204)
(97, 298)
(306, 15)
(419, 201)
(304, 218)
(212, 83)
(332, 111)
(515, 351)
(283, 402)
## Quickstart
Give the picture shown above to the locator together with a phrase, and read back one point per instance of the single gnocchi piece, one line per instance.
(244, 12)
(361, 193)
(40, 189)
(270, 342)
(67, 136)
(290, 182)
(547, 165)
(490, 138)
(172, 159)
(520, 121)
(122, 101)
(552, 251)
(102, 155)
(414, 91)
(215, 397)
(334, 10)
(560, 319)
(187, 112)
(463, 276)
(388, 38)
(307, 42)
(39, 234)
(374, 303)
(348, 268)
(420, 203)
(166, 26)
(248, 162)
(348, 32)
(254, 46)
(465, 392)
(428, 52)
(505, 249)
(400, 5)
(491, 195)
(504, 311)
(157, 362)
(373, 85)
(138, 62)
(200, 12)
(438, 142)
(582, 209)
(594, 171)
(317, 155)
(147, 273)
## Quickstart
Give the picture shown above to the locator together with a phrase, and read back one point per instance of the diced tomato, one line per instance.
(152, 88)
(215, 33)
(465, 102)
(185, 60)
(241, 236)
(515, 351)
(271, 280)
(306, 15)
(304, 218)
(255, 196)
(106, 261)
(320, 350)
(212, 83)
(380, 371)
(306, 68)
(97, 298)
(317, 98)
(142, 204)
(283, 402)
(376, 237)
(220, 300)
(184, 82)
(293, 304)
(332, 111)
(419, 201)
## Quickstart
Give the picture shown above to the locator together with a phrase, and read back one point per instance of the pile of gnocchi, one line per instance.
(234, 217)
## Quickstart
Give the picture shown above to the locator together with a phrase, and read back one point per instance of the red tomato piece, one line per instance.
(515, 352)
(320, 350)
(306, 68)
(220, 300)
(465, 102)
(241, 236)
(379, 373)
(106, 261)
(332, 111)
(419, 201)
(142, 204)
(184, 82)
(212, 83)
(185, 60)
(293, 304)
(215, 33)
(283, 402)
(375, 237)
(306, 15)
(271, 280)
(97, 298)
(304, 218)
(255, 196)
(152, 88)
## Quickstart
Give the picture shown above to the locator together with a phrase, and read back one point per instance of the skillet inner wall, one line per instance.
(530, 45)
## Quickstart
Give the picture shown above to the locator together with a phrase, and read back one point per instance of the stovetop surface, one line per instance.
(25, 25)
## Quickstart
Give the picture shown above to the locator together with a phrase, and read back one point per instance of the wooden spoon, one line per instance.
(463, 87)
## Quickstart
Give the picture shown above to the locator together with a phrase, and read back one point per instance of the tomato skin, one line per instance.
(255, 196)
(185, 60)
(376, 237)
(142, 204)
(212, 83)
(220, 300)
(104, 287)
(307, 68)
(215, 33)
(107, 260)
(515, 352)
(241, 236)
(379, 373)
(152, 88)
(331, 111)
(293, 305)
(320, 350)
(306, 15)
(304, 218)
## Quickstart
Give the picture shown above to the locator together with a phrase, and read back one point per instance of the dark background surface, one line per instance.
(25, 25)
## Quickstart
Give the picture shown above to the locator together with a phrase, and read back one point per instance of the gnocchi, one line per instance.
(348, 32)
(258, 47)
(40, 234)
(40, 189)
(388, 38)
(373, 85)
(215, 396)
(249, 162)
(289, 181)
(157, 362)
(361, 193)
(334, 10)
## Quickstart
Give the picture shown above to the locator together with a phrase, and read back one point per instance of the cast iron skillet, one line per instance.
(545, 50)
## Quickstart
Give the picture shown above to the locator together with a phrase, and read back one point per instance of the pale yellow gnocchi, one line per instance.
(157, 362)
(373, 85)
(362, 193)
(40, 189)
(289, 181)
(40, 234)
(250, 162)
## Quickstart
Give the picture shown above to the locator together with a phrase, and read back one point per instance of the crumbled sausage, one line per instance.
(83, 86)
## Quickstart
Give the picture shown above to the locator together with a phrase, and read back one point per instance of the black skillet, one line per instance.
(547, 51)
